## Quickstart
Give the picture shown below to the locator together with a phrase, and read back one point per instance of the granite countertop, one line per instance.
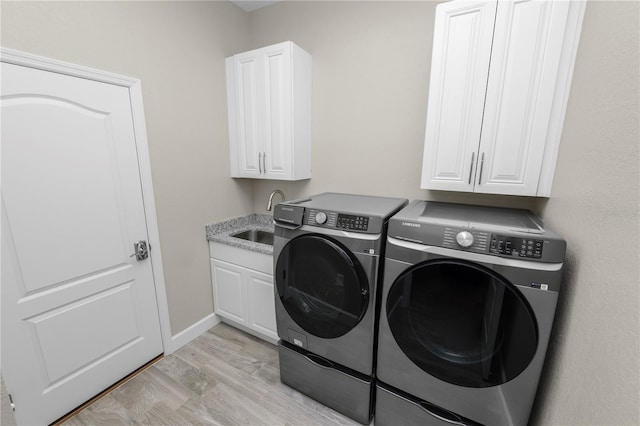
(221, 232)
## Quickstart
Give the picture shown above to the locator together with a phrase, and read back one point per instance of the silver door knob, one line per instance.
(141, 250)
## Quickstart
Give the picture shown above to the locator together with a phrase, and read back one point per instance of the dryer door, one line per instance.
(462, 323)
(322, 285)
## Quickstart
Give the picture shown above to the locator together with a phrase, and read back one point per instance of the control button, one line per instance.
(321, 217)
(464, 238)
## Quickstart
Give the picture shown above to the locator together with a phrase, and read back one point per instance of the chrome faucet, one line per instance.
(270, 203)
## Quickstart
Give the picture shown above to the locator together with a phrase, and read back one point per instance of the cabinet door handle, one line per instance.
(481, 167)
(473, 157)
(260, 162)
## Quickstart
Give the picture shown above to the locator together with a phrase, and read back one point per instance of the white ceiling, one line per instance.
(251, 5)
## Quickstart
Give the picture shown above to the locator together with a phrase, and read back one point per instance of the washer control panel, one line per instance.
(516, 246)
(322, 218)
(338, 220)
(468, 239)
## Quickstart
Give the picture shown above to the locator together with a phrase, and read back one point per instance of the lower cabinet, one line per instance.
(243, 290)
(262, 315)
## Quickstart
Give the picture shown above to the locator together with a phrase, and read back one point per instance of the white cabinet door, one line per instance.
(242, 72)
(260, 295)
(459, 68)
(500, 78)
(525, 59)
(243, 289)
(277, 126)
(269, 103)
(228, 291)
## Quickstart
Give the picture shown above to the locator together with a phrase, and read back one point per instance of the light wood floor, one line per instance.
(224, 377)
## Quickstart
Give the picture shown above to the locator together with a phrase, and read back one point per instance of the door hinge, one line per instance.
(13, 406)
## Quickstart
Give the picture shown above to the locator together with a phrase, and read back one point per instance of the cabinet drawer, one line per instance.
(394, 409)
(253, 260)
(330, 385)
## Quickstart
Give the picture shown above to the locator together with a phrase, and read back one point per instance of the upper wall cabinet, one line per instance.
(269, 99)
(500, 78)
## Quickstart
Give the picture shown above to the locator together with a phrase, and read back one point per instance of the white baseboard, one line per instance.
(190, 333)
(273, 341)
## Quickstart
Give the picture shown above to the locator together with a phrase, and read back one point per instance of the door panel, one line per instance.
(246, 68)
(524, 64)
(228, 295)
(460, 64)
(68, 341)
(262, 314)
(277, 121)
(37, 167)
(78, 313)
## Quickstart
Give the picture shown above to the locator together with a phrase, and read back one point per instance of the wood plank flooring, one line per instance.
(224, 377)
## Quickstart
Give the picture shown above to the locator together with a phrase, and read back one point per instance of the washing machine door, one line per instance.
(322, 285)
(462, 323)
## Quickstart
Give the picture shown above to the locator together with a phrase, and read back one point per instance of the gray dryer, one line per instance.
(468, 300)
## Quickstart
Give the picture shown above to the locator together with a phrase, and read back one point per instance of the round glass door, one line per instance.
(462, 323)
(322, 285)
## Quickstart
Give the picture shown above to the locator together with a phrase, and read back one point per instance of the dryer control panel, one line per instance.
(484, 242)
(477, 241)
(516, 246)
(493, 231)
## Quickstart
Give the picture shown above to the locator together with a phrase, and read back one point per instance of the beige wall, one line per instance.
(370, 86)
(177, 49)
(369, 98)
(593, 368)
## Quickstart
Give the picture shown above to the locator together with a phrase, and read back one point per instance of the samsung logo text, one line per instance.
(414, 225)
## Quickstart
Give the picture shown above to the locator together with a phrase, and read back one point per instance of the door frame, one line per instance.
(20, 58)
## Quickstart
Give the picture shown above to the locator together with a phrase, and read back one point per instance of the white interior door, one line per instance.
(78, 313)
